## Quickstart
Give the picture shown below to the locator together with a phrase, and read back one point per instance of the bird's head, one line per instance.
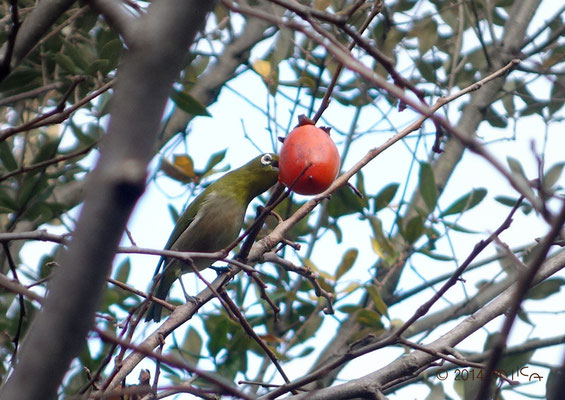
(253, 178)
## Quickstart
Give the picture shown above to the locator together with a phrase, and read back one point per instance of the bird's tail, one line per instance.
(166, 281)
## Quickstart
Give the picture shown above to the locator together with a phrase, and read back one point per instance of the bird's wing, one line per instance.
(186, 218)
(183, 223)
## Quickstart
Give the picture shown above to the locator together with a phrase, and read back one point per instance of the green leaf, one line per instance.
(306, 351)
(494, 119)
(385, 196)
(426, 69)
(66, 63)
(435, 256)
(552, 176)
(111, 51)
(192, 345)
(427, 35)
(349, 308)
(284, 46)
(47, 151)
(378, 302)
(404, 5)
(123, 270)
(382, 245)
(517, 362)
(310, 327)
(32, 187)
(344, 202)
(466, 202)
(189, 104)
(427, 186)
(507, 201)
(214, 160)
(414, 229)
(347, 262)
(95, 66)
(458, 228)
(334, 227)
(524, 317)
(511, 202)
(535, 108)
(558, 90)
(7, 203)
(20, 80)
(7, 157)
(217, 327)
(515, 167)
(87, 20)
(80, 54)
(546, 289)
(87, 138)
(437, 393)
(508, 103)
(369, 318)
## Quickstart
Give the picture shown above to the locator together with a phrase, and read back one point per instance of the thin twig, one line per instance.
(479, 247)
(523, 286)
(58, 114)
(175, 362)
(335, 77)
(31, 93)
(6, 62)
(249, 330)
(306, 273)
(46, 163)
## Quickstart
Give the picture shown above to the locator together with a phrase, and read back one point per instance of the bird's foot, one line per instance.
(220, 270)
(191, 299)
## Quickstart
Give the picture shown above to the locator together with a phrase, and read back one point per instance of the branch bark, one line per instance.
(38, 22)
(208, 86)
(148, 69)
(473, 114)
(117, 16)
(402, 368)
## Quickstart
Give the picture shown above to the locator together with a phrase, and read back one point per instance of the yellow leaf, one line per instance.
(53, 131)
(350, 288)
(270, 338)
(310, 265)
(263, 68)
(321, 4)
(181, 169)
(378, 302)
(185, 164)
(346, 262)
(376, 247)
(396, 323)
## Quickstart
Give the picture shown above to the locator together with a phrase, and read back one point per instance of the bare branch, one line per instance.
(36, 24)
(118, 17)
(169, 28)
(227, 387)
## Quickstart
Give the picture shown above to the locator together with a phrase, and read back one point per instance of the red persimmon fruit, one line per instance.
(309, 161)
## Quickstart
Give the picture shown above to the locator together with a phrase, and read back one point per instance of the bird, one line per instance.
(213, 221)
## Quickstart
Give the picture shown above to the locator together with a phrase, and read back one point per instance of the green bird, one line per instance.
(213, 220)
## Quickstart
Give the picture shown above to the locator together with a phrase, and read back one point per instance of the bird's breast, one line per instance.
(216, 225)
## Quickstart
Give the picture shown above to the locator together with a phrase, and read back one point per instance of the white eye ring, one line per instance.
(267, 159)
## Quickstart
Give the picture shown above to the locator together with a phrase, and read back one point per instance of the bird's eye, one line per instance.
(267, 159)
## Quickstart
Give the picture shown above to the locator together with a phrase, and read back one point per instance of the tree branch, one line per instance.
(117, 16)
(208, 85)
(37, 23)
(146, 74)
